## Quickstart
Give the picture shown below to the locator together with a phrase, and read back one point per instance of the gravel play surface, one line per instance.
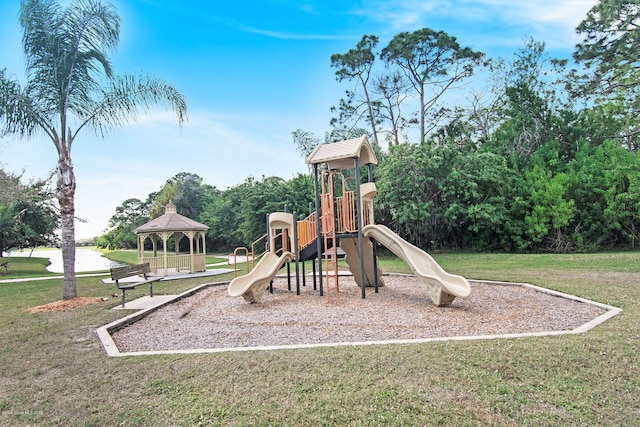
(401, 310)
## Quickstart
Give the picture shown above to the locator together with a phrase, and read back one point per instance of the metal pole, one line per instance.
(315, 285)
(296, 251)
(373, 242)
(304, 276)
(359, 215)
(285, 247)
(268, 249)
(375, 263)
(318, 227)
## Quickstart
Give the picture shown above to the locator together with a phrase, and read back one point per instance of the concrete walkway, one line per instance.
(213, 272)
(145, 302)
(31, 279)
(207, 273)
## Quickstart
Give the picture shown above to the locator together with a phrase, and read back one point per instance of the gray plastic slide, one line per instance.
(442, 287)
(252, 285)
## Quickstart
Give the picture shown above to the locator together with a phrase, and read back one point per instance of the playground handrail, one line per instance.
(253, 248)
(307, 232)
(251, 256)
(346, 208)
(235, 259)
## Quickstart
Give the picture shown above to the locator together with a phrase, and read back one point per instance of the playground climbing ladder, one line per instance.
(329, 232)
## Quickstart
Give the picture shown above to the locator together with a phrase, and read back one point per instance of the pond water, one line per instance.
(87, 259)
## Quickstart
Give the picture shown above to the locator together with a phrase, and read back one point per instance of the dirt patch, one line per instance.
(64, 305)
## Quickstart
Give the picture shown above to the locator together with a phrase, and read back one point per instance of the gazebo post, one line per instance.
(165, 237)
(204, 249)
(140, 248)
(192, 259)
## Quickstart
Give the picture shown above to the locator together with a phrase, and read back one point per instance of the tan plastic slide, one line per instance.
(251, 286)
(442, 287)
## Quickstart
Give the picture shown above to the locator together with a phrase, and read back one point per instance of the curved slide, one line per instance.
(252, 285)
(442, 287)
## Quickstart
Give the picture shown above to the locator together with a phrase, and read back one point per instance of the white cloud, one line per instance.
(288, 35)
(565, 12)
(398, 15)
(551, 21)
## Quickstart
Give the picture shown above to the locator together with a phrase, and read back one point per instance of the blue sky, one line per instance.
(252, 72)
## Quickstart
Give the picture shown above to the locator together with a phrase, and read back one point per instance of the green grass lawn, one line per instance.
(22, 267)
(53, 370)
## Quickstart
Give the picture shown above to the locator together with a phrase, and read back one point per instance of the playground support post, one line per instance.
(318, 227)
(268, 248)
(359, 216)
(286, 247)
(375, 263)
(296, 250)
(315, 284)
(304, 280)
(373, 242)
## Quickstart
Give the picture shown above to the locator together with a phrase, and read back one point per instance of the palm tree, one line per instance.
(71, 86)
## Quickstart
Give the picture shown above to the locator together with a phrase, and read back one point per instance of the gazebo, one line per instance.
(172, 224)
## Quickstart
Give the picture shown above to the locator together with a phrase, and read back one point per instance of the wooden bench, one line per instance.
(118, 273)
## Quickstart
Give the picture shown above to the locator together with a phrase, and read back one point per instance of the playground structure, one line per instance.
(343, 216)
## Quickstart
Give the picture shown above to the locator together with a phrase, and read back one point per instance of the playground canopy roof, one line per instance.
(171, 221)
(340, 155)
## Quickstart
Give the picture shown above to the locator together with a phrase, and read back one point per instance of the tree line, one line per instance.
(236, 216)
(439, 197)
(542, 155)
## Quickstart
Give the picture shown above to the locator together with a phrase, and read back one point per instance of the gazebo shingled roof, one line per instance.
(171, 221)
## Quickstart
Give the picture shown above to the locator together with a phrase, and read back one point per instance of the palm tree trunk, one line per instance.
(66, 192)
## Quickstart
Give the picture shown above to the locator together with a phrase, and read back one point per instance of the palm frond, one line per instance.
(66, 52)
(19, 115)
(127, 97)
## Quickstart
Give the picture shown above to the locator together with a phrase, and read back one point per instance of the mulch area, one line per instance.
(64, 305)
(402, 310)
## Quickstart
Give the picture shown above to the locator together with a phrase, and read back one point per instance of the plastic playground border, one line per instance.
(104, 332)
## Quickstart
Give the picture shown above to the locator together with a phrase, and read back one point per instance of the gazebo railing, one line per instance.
(175, 263)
